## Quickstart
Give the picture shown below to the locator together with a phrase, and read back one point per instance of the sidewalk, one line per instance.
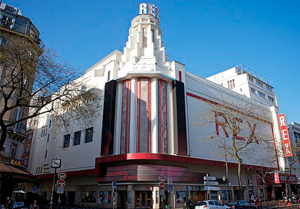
(269, 204)
(274, 204)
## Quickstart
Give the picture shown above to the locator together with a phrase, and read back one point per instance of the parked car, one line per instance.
(241, 204)
(210, 204)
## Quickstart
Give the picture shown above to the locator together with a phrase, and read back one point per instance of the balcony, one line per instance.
(21, 25)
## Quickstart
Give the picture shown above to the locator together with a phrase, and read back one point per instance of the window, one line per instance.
(261, 94)
(6, 21)
(29, 137)
(297, 136)
(50, 123)
(269, 88)
(19, 115)
(89, 196)
(218, 203)
(83, 88)
(231, 84)
(180, 76)
(13, 150)
(271, 99)
(26, 161)
(27, 149)
(253, 90)
(48, 138)
(77, 136)
(3, 41)
(89, 135)
(46, 154)
(251, 79)
(66, 141)
(108, 75)
(259, 83)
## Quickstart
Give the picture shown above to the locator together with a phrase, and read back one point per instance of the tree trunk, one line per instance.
(239, 172)
(3, 135)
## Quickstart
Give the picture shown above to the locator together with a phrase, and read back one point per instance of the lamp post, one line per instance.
(55, 163)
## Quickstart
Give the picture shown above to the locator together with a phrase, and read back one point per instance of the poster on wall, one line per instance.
(105, 197)
(181, 195)
(89, 196)
(212, 131)
(224, 194)
(129, 197)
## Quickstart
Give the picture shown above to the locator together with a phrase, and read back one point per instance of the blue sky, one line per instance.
(207, 36)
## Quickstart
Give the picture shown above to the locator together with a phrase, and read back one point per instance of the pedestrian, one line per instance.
(184, 203)
(283, 196)
(256, 201)
(34, 205)
(294, 198)
(9, 203)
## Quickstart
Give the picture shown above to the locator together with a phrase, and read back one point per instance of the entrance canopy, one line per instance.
(11, 172)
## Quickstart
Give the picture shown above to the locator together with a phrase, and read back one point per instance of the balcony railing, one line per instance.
(25, 28)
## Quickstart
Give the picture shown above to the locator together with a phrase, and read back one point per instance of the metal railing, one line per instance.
(28, 29)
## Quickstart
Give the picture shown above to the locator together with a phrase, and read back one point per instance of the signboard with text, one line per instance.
(148, 9)
(280, 178)
(285, 136)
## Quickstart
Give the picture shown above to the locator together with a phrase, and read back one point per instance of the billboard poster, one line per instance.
(215, 126)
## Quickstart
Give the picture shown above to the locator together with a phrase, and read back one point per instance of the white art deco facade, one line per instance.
(149, 123)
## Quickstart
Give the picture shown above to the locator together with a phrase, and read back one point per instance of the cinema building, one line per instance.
(158, 131)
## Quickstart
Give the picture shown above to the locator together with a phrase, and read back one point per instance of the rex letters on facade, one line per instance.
(285, 136)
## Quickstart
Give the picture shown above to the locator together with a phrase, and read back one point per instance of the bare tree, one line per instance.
(35, 79)
(239, 130)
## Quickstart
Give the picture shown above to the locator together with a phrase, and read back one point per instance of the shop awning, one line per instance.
(12, 172)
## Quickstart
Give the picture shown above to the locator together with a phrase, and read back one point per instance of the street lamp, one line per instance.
(55, 163)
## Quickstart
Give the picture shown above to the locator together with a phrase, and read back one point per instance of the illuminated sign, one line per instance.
(148, 9)
(15, 162)
(280, 178)
(149, 173)
(285, 136)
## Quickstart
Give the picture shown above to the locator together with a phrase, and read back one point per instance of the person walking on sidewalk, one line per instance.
(9, 203)
(256, 202)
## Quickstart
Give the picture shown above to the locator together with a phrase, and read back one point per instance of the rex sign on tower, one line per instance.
(148, 9)
(285, 136)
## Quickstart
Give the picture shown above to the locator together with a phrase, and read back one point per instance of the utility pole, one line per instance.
(55, 163)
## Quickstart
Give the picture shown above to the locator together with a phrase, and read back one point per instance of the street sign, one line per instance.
(211, 183)
(34, 189)
(209, 188)
(61, 183)
(161, 178)
(210, 178)
(18, 204)
(161, 185)
(62, 175)
(60, 190)
(114, 185)
(170, 180)
(162, 192)
(170, 187)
